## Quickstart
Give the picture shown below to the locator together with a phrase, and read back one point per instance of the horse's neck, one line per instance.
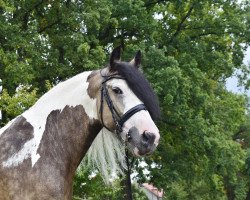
(67, 136)
(64, 122)
(72, 92)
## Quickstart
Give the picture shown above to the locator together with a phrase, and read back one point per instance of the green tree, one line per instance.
(189, 50)
(89, 185)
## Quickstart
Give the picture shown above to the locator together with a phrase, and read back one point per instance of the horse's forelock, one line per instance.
(140, 87)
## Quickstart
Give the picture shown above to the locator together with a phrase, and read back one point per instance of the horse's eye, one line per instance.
(117, 90)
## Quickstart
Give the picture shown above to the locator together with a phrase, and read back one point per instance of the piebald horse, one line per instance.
(41, 149)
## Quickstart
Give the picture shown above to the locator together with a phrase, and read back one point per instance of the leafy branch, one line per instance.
(181, 24)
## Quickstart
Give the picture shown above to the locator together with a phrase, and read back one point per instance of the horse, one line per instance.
(41, 149)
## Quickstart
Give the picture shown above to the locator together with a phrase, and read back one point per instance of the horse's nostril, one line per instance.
(145, 136)
(148, 137)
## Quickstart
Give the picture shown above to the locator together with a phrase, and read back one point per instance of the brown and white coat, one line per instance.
(41, 149)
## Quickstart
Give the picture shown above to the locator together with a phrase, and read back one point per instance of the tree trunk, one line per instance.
(248, 195)
(229, 189)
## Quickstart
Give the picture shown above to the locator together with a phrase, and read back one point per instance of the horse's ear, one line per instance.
(136, 61)
(115, 56)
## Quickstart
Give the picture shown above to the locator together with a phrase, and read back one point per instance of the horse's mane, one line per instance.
(106, 154)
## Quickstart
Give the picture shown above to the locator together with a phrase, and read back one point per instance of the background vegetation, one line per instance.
(189, 50)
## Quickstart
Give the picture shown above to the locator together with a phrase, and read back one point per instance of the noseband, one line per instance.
(118, 120)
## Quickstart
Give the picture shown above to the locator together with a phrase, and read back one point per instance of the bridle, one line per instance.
(118, 120)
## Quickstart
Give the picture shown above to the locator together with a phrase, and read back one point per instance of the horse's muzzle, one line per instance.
(142, 144)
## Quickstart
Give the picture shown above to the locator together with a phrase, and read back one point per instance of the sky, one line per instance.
(232, 82)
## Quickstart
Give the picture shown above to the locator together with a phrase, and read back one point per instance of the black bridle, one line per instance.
(118, 120)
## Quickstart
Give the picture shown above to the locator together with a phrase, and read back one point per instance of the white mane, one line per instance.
(107, 154)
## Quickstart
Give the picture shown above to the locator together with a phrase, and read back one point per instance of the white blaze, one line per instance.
(142, 119)
(72, 92)
(143, 122)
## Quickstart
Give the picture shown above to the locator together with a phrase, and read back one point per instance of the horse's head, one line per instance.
(128, 105)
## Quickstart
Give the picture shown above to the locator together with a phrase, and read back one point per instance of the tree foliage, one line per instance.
(189, 50)
(90, 185)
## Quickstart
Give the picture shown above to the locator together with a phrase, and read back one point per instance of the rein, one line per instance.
(118, 120)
